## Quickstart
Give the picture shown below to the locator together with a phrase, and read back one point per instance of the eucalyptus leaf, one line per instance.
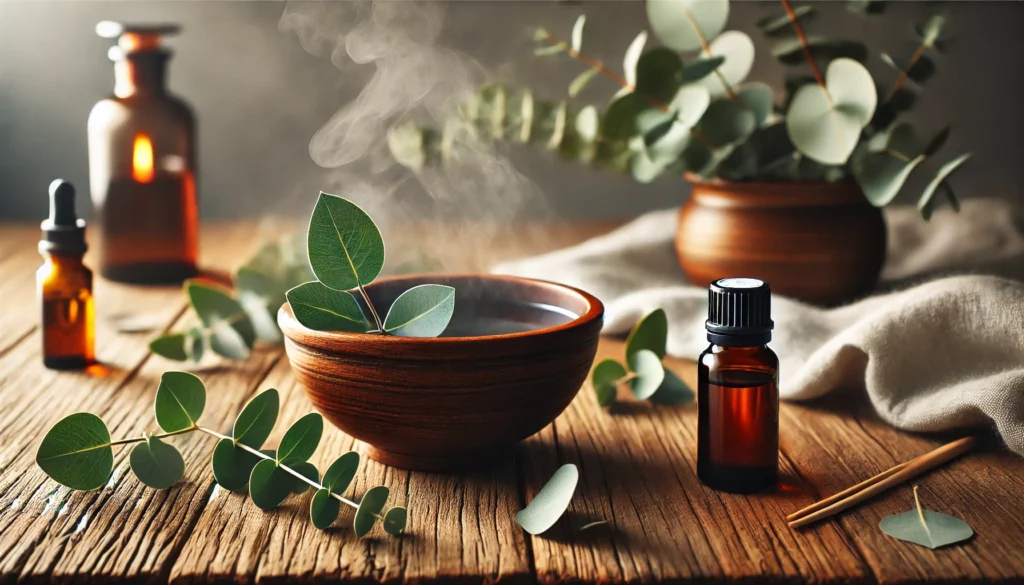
(231, 332)
(619, 119)
(791, 51)
(340, 473)
(76, 452)
(921, 70)
(580, 82)
(405, 142)
(882, 174)
(369, 509)
(301, 439)
(345, 247)
(930, 33)
(320, 308)
(323, 509)
(587, 123)
(260, 297)
(256, 421)
(650, 333)
(632, 57)
(689, 105)
(644, 168)
(826, 125)
(726, 122)
(305, 469)
(170, 346)
(925, 527)
(195, 344)
(699, 69)
(421, 311)
(680, 24)
(936, 143)
(650, 373)
(739, 163)
(773, 25)
(604, 379)
(772, 145)
(269, 485)
(926, 203)
(657, 74)
(759, 99)
(180, 400)
(232, 465)
(394, 521)
(156, 464)
(550, 502)
(673, 391)
(577, 33)
(738, 50)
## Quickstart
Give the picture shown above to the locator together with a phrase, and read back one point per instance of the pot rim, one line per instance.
(297, 332)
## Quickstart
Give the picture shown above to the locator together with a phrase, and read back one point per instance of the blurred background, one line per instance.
(264, 77)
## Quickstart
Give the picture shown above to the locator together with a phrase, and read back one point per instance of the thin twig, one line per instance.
(807, 50)
(160, 436)
(904, 74)
(373, 310)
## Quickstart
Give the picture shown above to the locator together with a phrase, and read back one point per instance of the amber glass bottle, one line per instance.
(737, 390)
(142, 169)
(64, 285)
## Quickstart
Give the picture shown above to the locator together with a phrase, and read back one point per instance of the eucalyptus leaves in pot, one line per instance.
(686, 108)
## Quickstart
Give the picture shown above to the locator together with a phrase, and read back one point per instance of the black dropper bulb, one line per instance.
(63, 231)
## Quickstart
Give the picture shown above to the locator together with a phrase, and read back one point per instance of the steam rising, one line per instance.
(416, 79)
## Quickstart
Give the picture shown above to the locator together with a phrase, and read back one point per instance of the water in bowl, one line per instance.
(476, 320)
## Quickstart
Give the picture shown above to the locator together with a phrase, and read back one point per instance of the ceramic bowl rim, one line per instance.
(291, 327)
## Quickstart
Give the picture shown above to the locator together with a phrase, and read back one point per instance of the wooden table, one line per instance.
(637, 466)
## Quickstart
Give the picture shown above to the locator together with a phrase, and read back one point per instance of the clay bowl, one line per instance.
(513, 357)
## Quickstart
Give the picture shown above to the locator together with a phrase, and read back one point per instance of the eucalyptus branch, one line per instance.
(144, 438)
(807, 50)
(904, 74)
(706, 47)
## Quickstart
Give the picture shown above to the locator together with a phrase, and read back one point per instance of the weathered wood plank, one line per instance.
(41, 523)
(840, 441)
(638, 472)
(19, 261)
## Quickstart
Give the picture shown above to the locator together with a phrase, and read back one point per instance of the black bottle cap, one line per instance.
(63, 231)
(739, 312)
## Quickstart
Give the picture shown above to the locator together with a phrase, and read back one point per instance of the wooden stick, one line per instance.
(881, 482)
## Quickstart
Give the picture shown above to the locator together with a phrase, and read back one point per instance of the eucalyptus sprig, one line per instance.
(233, 320)
(78, 452)
(346, 253)
(647, 377)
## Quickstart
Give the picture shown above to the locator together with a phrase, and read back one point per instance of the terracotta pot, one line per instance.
(814, 241)
(513, 357)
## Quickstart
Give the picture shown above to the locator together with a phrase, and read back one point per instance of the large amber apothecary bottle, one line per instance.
(142, 165)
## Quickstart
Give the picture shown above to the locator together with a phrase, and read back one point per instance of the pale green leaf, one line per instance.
(650, 373)
(325, 309)
(157, 464)
(926, 203)
(759, 99)
(76, 452)
(773, 25)
(421, 311)
(180, 400)
(170, 346)
(680, 24)
(925, 527)
(261, 296)
(738, 51)
(550, 502)
(580, 82)
(672, 391)
(650, 333)
(231, 332)
(632, 57)
(604, 377)
(587, 122)
(369, 509)
(345, 247)
(577, 33)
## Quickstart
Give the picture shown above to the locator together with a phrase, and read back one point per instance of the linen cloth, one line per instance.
(940, 346)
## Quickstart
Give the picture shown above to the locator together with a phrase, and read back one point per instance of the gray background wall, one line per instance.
(260, 97)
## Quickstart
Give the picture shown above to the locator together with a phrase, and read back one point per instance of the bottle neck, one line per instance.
(64, 261)
(748, 340)
(140, 73)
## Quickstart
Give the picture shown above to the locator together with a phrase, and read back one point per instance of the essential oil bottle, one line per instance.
(737, 390)
(64, 285)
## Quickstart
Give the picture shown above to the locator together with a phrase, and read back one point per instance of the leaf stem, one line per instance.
(287, 469)
(904, 74)
(160, 436)
(627, 378)
(920, 514)
(807, 50)
(373, 310)
(706, 48)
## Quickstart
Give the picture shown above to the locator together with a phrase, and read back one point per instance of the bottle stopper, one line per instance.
(63, 230)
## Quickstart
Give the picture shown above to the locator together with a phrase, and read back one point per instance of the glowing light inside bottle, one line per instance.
(142, 159)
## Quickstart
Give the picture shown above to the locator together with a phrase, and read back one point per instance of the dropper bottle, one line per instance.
(64, 285)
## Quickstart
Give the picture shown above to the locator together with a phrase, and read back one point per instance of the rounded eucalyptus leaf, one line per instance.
(937, 142)
(726, 122)
(305, 469)
(738, 50)
(881, 175)
(269, 485)
(231, 332)
(619, 119)
(577, 33)
(675, 22)
(644, 168)
(759, 99)
(772, 145)
(260, 297)
(422, 311)
(926, 203)
(657, 74)
(170, 346)
(581, 81)
(180, 400)
(345, 247)
(195, 344)
(256, 421)
(341, 472)
(699, 69)
(739, 164)
(930, 33)
(632, 57)
(323, 509)
(521, 114)
(301, 439)
(926, 528)
(689, 105)
(551, 501)
(650, 333)
(554, 126)
(156, 464)
(826, 126)
(369, 509)
(604, 379)
(697, 157)
(650, 373)
(791, 51)
(587, 122)
(232, 466)
(673, 391)
(394, 521)
(405, 141)
(320, 308)
(76, 452)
